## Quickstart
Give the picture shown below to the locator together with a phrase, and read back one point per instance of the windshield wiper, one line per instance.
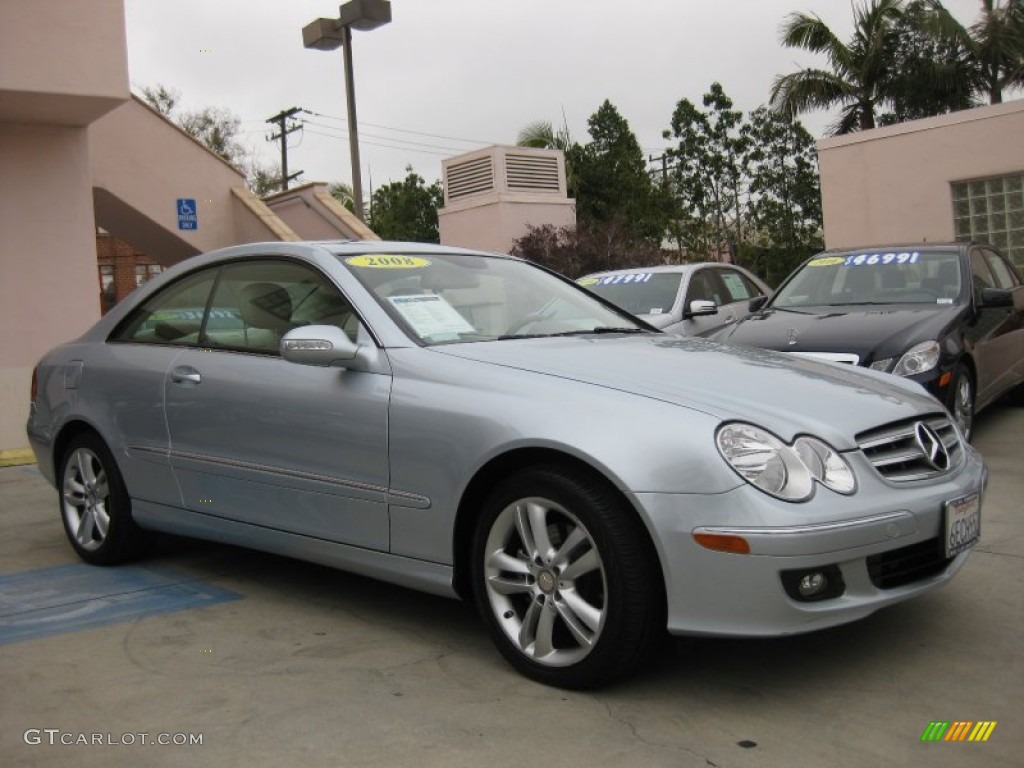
(579, 332)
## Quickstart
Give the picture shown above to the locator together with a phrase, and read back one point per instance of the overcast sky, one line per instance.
(472, 71)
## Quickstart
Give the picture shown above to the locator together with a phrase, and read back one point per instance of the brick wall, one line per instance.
(118, 265)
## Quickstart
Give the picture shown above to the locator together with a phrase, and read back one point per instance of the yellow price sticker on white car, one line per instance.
(388, 261)
(826, 261)
(587, 281)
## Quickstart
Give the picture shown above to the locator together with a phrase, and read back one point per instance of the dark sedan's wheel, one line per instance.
(95, 506)
(961, 400)
(566, 580)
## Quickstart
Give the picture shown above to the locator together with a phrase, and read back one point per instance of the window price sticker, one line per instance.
(632, 277)
(861, 259)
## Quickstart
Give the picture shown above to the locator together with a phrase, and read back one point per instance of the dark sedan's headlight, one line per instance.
(920, 358)
(785, 471)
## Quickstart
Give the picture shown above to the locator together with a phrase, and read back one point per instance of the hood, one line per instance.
(872, 332)
(785, 394)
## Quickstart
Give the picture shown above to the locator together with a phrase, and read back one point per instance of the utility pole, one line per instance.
(280, 119)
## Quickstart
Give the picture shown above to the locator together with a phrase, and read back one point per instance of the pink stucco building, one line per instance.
(952, 177)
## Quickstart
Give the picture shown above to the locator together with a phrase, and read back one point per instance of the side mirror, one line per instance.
(322, 345)
(756, 303)
(700, 307)
(995, 297)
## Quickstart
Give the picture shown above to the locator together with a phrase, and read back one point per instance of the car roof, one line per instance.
(940, 246)
(663, 268)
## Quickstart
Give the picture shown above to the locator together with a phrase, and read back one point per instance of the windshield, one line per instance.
(445, 298)
(874, 277)
(639, 293)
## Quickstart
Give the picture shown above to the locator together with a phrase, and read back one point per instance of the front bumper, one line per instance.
(866, 536)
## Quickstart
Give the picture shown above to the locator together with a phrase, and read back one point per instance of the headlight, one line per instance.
(881, 365)
(784, 471)
(918, 359)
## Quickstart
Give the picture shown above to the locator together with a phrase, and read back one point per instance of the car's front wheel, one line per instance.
(95, 505)
(565, 579)
(961, 400)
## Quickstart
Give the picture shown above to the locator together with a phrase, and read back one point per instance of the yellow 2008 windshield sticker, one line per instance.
(388, 261)
(825, 261)
(587, 281)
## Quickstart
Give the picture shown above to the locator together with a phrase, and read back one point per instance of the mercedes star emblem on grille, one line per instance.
(931, 446)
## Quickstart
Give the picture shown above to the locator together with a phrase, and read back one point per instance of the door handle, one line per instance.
(186, 376)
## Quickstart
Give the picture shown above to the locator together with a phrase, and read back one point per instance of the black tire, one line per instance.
(94, 504)
(582, 609)
(960, 400)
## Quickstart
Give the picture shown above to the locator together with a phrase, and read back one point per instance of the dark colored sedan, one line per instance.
(950, 317)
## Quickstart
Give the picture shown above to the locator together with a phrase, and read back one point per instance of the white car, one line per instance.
(691, 299)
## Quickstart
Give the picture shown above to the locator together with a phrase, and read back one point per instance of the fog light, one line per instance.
(812, 583)
(809, 585)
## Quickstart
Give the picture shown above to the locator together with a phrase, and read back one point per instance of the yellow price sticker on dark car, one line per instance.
(388, 261)
(825, 261)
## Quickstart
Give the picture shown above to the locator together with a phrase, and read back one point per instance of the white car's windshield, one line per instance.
(874, 277)
(445, 298)
(640, 293)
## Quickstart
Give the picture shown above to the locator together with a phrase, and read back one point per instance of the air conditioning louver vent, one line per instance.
(470, 177)
(532, 173)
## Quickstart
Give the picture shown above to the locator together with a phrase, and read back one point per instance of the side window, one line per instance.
(704, 286)
(1004, 278)
(174, 315)
(258, 302)
(737, 287)
(981, 275)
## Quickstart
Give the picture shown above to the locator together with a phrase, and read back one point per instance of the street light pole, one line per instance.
(353, 135)
(328, 34)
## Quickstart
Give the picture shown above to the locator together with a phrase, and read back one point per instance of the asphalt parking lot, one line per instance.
(275, 662)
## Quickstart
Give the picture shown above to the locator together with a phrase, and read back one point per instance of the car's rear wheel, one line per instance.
(961, 400)
(95, 506)
(565, 579)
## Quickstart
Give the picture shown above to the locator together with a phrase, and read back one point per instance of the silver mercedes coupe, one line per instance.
(475, 426)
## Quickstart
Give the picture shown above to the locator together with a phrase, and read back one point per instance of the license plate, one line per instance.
(963, 524)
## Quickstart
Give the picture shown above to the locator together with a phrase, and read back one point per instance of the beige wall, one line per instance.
(61, 61)
(141, 164)
(892, 184)
(310, 210)
(495, 222)
(49, 292)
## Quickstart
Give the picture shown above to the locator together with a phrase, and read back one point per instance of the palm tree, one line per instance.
(541, 134)
(993, 46)
(860, 76)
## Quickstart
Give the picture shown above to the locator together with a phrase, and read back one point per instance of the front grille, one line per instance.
(896, 454)
(907, 565)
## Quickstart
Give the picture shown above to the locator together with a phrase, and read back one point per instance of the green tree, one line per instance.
(861, 71)
(784, 211)
(708, 175)
(343, 193)
(217, 129)
(407, 210)
(930, 74)
(612, 183)
(992, 48)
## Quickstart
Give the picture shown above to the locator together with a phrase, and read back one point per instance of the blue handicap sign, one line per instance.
(187, 213)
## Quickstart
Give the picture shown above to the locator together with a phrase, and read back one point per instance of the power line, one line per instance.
(400, 130)
(389, 138)
(379, 144)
